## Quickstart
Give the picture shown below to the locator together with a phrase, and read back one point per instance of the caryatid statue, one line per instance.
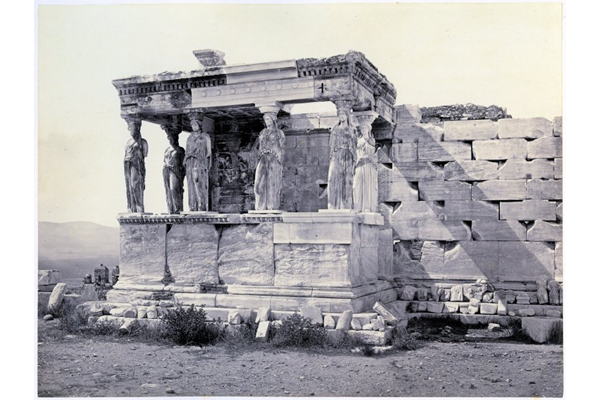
(342, 161)
(269, 171)
(365, 187)
(174, 170)
(198, 161)
(135, 170)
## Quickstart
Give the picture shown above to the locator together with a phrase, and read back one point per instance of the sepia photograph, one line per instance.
(299, 200)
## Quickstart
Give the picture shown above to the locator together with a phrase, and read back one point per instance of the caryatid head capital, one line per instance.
(134, 123)
(196, 119)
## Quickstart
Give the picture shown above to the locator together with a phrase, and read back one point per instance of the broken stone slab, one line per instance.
(493, 327)
(470, 130)
(434, 307)
(329, 322)
(473, 307)
(474, 290)
(374, 338)
(502, 306)
(262, 332)
(523, 169)
(447, 295)
(388, 313)
(367, 327)
(408, 293)
(56, 298)
(436, 292)
(263, 314)
(378, 324)
(343, 324)
(539, 328)
(141, 312)
(450, 307)
(526, 312)
(528, 128)
(355, 324)
(500, 190)
(456, 293)
(554, 313)
(312, 313)
(488, 297)
(245, 313)
(554, 292)
(422, 294)
(152, 312)
(542, 291)
(234, 317)
(522, 298)
(488, 308)
(499, 149)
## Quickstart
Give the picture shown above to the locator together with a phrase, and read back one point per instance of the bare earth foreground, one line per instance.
(76, 366)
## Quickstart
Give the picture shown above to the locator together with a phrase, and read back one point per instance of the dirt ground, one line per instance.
(108, 366)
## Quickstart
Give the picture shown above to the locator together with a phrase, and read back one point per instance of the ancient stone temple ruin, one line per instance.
(375, 202)
(259, 231)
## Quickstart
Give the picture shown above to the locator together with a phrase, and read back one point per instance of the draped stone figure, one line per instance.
(269, 171)
(135, 169)
(198, 161)
(365, 175)
(342, 160)
(174, 170)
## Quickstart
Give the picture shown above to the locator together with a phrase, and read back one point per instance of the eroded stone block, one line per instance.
(529, 128)
(500, 190)
(544, 189)
(56, 298)
(262, 332)
(523, 169)
(498, 230)
(470, 130)
(444, 190)
(538, 328)
(528, 210)
(546, 147)
(522, 261)
(499, 149)
(344, 322)
(542, 231)
(488, 308)
(192, 253)
(471, 170)
(444, 151)
(470, 210)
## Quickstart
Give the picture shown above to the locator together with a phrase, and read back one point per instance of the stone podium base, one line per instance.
(282, 261)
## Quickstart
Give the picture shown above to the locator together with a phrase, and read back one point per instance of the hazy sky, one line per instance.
(434, 54)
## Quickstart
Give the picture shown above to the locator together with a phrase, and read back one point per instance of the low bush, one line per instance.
(402, 340)
(188, 326)
(516, 331)
(70, 320)
(297, 331)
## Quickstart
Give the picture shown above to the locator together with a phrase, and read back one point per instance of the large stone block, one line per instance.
(546, 147)
(525, 261)
(539, 328)
(500, 190)
(417, 210)
(538, 189)
(470, 260)
(246, 254)
(418, 171)
(312, 232)
(443, 190)
(142, 255)
(498, 230)
(558, 168)
(192, 253)
(470, 130)
(403, 152)
(435, 229)
(319, 265)
(499, 149)
(444, 151)
(407, 132)
(542, 231)
(417, 260)
(529, 128)
(523, 169)
(56, 298)
(528, 210)
(471, 170)
(558, 261)
(393, 187)
(405, 229)
(470, 210)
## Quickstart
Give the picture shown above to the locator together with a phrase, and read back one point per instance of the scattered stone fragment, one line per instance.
(367, 327)
(422, 306)
(522, 298)
(488, 308)
(408, 293)
(511, 314)
(57, 296)
(48, 317)
(141, 312)
(329, 322)
(511, 296)
(170, 391)
(312, 313)
(152, 312)
(355, 324)
(450, 308)
(447, 294)
(533, 298)
(554, 292)
(343, 323)
(542, 291)
(474, 291)
(262, 332)
(554, 313)
(234, 317)
(539, 329)
(463, 309)
(437, 292)
(526, 312)
(245, 314)
(263, 314)
(473, 306)
(125, 312)
(456, 293)
(502, 306)
(422, 294)
(388, 313)
(488, 297)
(127, 325)
(89, 293)
(435, 307)
(492, 327)
(377, 324)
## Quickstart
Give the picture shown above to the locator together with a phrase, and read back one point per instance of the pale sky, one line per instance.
(435, 54)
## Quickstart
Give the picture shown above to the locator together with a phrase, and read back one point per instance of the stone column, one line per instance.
(365, 187)
(136, 150)
(269, 170)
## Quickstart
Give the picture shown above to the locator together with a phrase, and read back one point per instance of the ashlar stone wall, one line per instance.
(473, 199)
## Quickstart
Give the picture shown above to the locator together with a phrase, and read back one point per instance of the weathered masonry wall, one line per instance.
(465, 200)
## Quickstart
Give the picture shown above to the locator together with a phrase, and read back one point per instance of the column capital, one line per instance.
(271, 107)
(365, 117)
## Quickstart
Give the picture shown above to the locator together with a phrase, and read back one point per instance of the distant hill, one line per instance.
(76, 248)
